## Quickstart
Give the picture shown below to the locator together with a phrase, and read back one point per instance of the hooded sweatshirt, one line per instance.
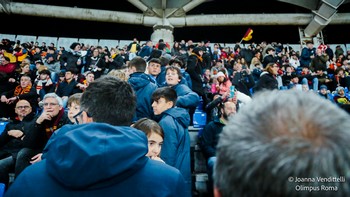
(176, 145)
(143, 87)
(97, 159)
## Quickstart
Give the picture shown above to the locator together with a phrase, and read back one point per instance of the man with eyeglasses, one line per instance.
(52, 118)
(104, 156)
(11, 139)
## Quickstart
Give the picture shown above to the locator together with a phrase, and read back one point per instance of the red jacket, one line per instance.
(8, 68)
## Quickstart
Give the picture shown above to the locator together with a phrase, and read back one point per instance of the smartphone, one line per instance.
(232, 91)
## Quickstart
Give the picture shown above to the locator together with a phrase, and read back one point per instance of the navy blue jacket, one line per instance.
(210, 137)
(144, 88)
(186, 98)
(97, 159)
(176, 145)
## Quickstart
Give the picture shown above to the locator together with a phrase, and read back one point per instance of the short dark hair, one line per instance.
(110, 100)
(177, 61)
(155, 60)
(264, 157)
(164, 61)
(73, 71)
(139, 63)
(167, 93)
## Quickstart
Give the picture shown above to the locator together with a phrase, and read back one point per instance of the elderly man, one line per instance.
(23, 91)
(52, 118)
(11, 139)
(285, 143)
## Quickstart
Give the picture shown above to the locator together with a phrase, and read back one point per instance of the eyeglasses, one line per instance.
(22, 107)
(76, 116)
(50, 104)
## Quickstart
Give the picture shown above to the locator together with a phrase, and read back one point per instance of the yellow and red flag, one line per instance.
(248, 35)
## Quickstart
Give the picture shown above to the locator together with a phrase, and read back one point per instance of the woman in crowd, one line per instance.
(155, 136)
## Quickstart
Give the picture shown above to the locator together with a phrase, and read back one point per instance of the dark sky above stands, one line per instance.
(14, 24)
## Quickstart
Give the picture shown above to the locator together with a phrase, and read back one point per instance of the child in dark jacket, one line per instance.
(174, 122)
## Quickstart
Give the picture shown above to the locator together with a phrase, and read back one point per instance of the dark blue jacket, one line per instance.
(141, 83)
(305, 58)
(176, 145)
(98, 159)
(186, 98)
(210, 137)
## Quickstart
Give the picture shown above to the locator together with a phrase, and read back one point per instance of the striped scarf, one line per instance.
(19, 90)
(39, 84)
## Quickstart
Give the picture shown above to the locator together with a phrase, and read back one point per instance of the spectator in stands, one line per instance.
(186, 98)
(146, 51)
(340, 96)
(210, 136)
(69, 168)
(324, 92)
(74, 106)
(242, 79)
(256, 60)
(222, 85)
(154, 69)
(51, 119)
(89, 78)
(174, 122)
(155, 136)
(186, 79)
(71, 59)
(338, 51)
(323, 78)
(341, 78)
(194, 69)
(219, 66)
(319, 62)
(164, 62)
(133, 48)
(23, 91)
(11, 138)
(270, 56)
(294, 60)
(285, 149)
(207, 54)
(23, 70)
(143, 87)
(307, 54)
(68, 86)
(37, 54)
(287, 75)
(95, 63)
(6, 66)
(44, 84)
(115, 60)
(54, 67)
(21, 52)
(121, 74)
(267, 79)
(309, 78)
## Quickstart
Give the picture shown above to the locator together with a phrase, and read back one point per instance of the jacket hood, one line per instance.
(139, 80)
(95, 155)
(180, 115)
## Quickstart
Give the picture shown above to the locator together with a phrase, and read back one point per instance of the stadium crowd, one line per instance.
(42, 89)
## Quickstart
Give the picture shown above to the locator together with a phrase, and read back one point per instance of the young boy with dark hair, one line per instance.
(174, 121)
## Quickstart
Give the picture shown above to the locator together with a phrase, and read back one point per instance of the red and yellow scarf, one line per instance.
(19, 90)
